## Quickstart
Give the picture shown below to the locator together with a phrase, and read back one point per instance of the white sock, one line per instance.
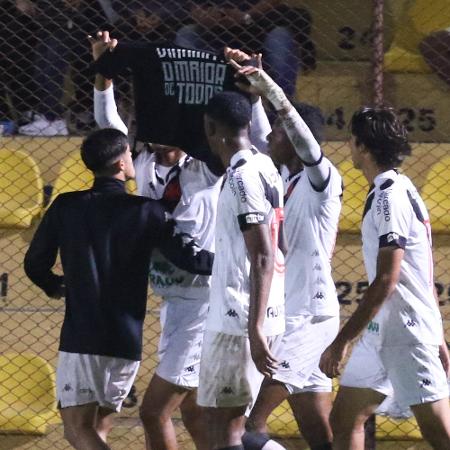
(272, 445)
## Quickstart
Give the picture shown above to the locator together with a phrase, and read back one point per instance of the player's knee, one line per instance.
(151, 416)
(341, 424)
(73, 431)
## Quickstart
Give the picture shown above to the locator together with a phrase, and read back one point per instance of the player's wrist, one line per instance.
(278, 98)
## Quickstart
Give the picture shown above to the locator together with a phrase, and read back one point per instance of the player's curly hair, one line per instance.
(381, 132)
(230, 108)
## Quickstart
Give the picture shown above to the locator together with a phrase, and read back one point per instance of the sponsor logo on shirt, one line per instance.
(237, 187)
(274, 311)
(254, 218)
(383, 206)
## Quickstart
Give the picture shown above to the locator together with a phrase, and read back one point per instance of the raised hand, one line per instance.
(101, 43)
(260, 83)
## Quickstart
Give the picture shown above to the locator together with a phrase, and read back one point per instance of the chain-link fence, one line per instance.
(319, 51)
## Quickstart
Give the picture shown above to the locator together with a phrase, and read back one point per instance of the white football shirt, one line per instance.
(195, 214)
(251, 194)
(395, 215)
(311, 224)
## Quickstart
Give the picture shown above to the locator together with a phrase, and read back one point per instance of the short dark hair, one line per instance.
(231, 109)
(102, 147)
(313, 117)
(379, 129)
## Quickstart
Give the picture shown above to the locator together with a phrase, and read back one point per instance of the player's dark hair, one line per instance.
(102, 147)
(231, 109)
(381, 132)
(313, 117)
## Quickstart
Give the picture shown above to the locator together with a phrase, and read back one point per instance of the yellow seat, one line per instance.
(21, 189)
(421, 18)
(27, 394)
(74, 176)
(354, 199)
(436, 195)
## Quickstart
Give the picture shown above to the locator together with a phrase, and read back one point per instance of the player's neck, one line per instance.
(233, 144)
(294, 166)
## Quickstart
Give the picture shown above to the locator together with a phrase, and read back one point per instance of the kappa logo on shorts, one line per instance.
(227, 390)
(87, 391)
(315, 253)
(425, 382)
(232, 313)
(319, 295)
(67, 387)
(410, 323)
(189, 369)
(285, 365)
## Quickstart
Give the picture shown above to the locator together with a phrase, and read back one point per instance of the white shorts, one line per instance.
(82, 379)
(228, 375)
(180, 344)
(413, 374)
(305, 339)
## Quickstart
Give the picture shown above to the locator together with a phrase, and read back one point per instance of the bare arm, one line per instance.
(258, 244)
(388, 273)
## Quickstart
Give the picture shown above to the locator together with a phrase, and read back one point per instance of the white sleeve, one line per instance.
(260, 127)
(105, 110)
(307, 148)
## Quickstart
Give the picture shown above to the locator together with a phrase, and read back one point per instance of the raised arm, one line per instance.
(105, 108)
(306, 146)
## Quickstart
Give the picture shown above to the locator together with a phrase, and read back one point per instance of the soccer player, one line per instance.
(246, 315)
(312, 207)
(104, 237)
(401, 349)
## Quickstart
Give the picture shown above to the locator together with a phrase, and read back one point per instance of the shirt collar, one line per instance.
(389, 174)
(242, 154)
(109, 185)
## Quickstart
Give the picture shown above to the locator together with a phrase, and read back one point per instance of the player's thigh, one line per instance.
(353, 406)
(433, 417)
(78, 417)
(162, 398)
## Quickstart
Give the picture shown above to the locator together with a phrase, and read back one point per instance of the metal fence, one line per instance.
(322, 52)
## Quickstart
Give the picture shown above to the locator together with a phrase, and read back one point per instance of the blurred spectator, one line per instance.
(61, 41)
(151, 20)
(435, 49)
(279, 31)
(17, 40)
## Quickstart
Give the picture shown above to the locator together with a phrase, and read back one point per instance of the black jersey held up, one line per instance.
(105, 237)
(172, 86)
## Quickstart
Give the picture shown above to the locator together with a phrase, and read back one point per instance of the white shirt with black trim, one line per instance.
(395, 215)
(310, 225)
(195, 214)
(252, 193)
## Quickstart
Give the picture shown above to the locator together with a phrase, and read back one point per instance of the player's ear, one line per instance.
(209, 126)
